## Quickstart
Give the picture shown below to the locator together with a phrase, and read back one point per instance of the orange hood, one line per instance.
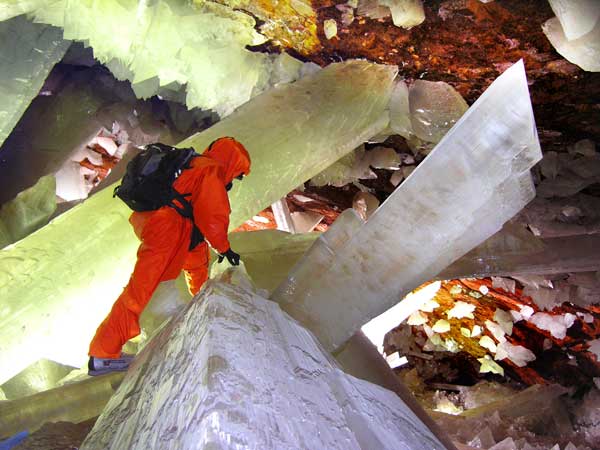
(232, 155)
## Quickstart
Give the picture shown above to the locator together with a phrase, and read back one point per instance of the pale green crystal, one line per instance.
(40, 376)
(12, 8)
(435, 107)
(30, 210)
(164, 42)
(268, 255)
(318, 119)
(70, 403)
(28, 52)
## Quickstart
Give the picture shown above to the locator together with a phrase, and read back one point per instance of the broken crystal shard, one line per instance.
(306, 221)
(577, 17)
(489, 365)
(365, 204)
(417, 318)
(544, 298)
(196, 368)
(496, 330)
(351, 98)
(282, 215)
(30, 210)
(556, 325)
(330, 28)
(405, 13)
(441, 326)
(488, 343)
(491, 158)
(516, 353)
(584, 51)
(460, 310)
(435, 107)
(28, 51)
(504, 319)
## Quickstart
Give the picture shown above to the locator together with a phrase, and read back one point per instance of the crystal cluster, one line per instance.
(28, 51)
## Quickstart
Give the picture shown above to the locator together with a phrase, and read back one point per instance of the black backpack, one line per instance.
(148, 182)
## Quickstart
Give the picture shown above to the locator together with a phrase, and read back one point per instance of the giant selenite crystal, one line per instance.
(292, 133)
(471, 183)
(234, 371)
(295, 131)
(28, 52)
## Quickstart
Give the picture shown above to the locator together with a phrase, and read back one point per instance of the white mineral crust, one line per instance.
(583, 51)
(462, 193)
(232, 371)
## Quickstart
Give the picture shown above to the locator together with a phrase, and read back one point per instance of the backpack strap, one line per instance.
(186, 210)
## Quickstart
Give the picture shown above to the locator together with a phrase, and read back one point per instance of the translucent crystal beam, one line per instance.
(295, 131)
(28, 52)
(78, 264)
(234, 371)
(462, 193)
(556, 255)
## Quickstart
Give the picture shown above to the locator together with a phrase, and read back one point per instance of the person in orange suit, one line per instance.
(164, 250)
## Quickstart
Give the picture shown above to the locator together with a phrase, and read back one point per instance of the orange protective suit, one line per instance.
(165, 240)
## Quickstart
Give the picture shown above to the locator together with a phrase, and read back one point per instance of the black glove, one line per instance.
(232, 257)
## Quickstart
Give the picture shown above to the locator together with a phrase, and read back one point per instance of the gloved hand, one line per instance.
(232, 257)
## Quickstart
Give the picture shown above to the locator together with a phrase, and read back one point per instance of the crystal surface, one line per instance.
(430, 221)
(30, 210)
(319, 121)
(577, 17)
(74, 403)
(583, 51)
(555, 255)
(40, 376)
(269, 255)
(400, 111)
(435, 107)
(233, 370)
(28, 51)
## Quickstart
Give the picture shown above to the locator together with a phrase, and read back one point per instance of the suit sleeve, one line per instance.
(211, 210)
